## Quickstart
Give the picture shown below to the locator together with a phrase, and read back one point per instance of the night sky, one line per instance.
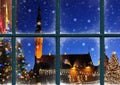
(112, 16)
(81, 46)
(28, 47)
(76, 16)
(112, 44)
(80, 16)
(27, 14)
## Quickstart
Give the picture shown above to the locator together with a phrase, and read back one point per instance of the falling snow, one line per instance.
(92, 49)
(88, 20)
(74, 19)
(29, 44)
(24, 1)
(29, 10)
(83, 44)
(53, 11)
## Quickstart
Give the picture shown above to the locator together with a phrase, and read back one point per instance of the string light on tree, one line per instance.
(112, 73)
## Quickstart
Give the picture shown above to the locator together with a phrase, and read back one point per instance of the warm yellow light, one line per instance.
(49, 54)
(66, 61)
(65, 53)
(88, 67)
(114, 53)
(38, 83)
(39, 23)
(73, 71)
(38, 48)
(22, 77)
(73, 67)
(6, 18)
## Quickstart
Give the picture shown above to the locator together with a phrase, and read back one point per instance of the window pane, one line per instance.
(5, 16)
(35, 60)
(112, 71)
(79, 60)
(112, 16)
(28, 16)
(5, 61)
(79, 16)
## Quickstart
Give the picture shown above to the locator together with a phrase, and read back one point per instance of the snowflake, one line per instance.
(44, 2)
(53, 11)
(92, 49)
(45, 9)
(83, 2)
(89, 6)
(109, 31)
(98, 8)
(74, 19)
(111, 6)
(63, 13)
(24, 1)
(29, 10)
(29, 44)
(86, 27)
(67, 48)
(67, 4)
(88, 20)
(29, 51)
(25, 26)
(18, 40)
(74, 30)
(29, 65)
(106, 47)
(74, 42)
(24, 7)
(113, 13)
(83, 44)
(115, 23)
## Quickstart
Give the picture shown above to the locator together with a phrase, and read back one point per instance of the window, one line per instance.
(49, 38)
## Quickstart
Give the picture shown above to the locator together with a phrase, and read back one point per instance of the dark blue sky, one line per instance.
(81, 46)
(112, 16)
(28, 47)
(79, 16)
(27, 14)
(112, 44)
(76, 16)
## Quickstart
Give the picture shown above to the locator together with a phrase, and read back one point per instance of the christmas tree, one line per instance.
(112, 73)
(22, 73)
(5, 60)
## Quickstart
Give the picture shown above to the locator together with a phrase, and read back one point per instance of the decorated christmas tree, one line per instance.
(112, 73)
(5, 61)
(22, 73)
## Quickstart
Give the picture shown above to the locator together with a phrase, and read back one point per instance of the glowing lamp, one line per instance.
(88, 69)
(39, 23)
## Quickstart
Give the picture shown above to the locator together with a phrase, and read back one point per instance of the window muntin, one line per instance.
(57, 22)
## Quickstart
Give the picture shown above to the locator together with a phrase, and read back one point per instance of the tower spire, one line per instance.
(38, 27)
(89, 50)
